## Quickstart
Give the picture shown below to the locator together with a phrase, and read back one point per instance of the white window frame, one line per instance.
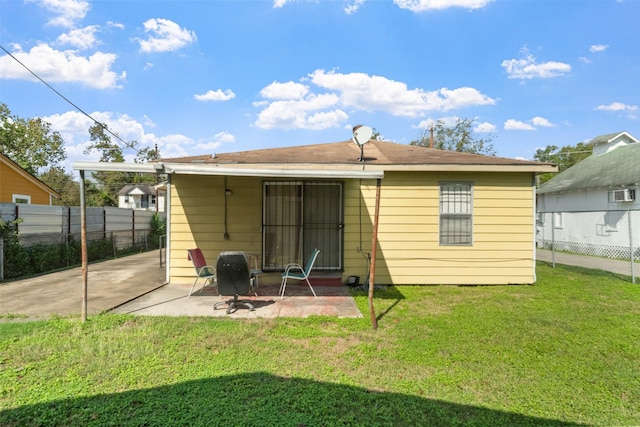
(456, 208)
(558, 220)
(16, 197)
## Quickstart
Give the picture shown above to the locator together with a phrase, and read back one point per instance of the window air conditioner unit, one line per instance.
(626, 195)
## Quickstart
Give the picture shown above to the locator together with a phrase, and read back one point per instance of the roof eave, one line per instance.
(235, 170)
(530, 168)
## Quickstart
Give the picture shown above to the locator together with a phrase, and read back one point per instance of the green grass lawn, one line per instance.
(563, 352)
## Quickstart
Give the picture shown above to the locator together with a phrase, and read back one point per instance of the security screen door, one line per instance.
(299, 217)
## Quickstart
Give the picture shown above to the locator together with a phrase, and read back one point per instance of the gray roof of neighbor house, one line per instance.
(617, 168)
(144, 188)
(348, 153)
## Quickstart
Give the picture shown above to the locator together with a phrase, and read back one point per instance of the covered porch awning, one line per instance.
(171, 168)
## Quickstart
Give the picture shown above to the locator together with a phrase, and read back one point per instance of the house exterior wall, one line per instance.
(596, 199)
(198, 219)
(12, 182)
(409, 251)
(408, 235)
(585, 221)
(135, 202)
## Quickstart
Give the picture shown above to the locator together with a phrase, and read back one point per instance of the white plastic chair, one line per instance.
(296, 272)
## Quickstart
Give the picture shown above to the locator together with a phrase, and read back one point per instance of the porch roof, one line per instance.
(205, 169)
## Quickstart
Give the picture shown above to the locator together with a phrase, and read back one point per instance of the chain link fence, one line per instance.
(607, 240)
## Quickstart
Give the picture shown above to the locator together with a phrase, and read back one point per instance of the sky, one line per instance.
(201, 77)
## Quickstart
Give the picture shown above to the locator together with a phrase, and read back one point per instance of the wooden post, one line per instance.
(374, 246)
(83, 245)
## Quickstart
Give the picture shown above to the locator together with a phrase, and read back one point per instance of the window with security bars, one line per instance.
(299, 216)
(456, 213)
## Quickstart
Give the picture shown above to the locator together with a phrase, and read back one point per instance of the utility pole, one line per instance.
(431, 137)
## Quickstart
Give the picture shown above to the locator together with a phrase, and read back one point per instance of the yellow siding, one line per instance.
(197, 219)
(12, 182)
(408, 239)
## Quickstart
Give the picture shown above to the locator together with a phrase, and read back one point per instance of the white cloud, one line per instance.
(217, 95)
(598, 47)
(293, 105)
(277, 4)
(512, 124)
(528, 68)
(541, 121)
(423, 5)
(62, 66)
(176, 145)
(448, 121)
(82, 38)
(68, 11)
(616, 106)
(375, 93)
(73, 128)
(485, 127)
(302, 114)
(585, 59)
(165, 36)
(115, 25)
(209, 146)
(288, 90)
(353, 6)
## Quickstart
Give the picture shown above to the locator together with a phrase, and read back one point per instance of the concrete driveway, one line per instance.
(135, 285)
(109, 284)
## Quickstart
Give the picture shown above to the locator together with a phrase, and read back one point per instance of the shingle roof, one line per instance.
(603, 139)
(617, 168)
(348, 153)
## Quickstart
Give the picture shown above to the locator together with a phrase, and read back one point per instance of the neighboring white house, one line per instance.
(586, 208)
(143, 197)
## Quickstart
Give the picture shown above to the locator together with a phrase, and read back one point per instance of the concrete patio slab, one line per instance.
(171, 300)
(135, 285)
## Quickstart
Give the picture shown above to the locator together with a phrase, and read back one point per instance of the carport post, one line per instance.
(83, 246)
(374, 246)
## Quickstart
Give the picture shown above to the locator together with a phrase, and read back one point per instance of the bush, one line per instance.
(158, 229)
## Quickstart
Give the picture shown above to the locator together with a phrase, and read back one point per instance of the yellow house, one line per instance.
(444, 217)
(19, 186)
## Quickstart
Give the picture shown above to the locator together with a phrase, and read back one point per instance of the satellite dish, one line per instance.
(362, 134)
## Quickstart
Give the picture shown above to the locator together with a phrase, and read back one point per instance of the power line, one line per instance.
(127, 144)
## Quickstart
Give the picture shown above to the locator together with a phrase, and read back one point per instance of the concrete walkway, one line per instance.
(135, 285)
(606, 264)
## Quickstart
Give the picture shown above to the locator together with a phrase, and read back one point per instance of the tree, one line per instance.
(109, 183)
(30, 142)
(64, 184)
(564, 157)
(458, 138)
